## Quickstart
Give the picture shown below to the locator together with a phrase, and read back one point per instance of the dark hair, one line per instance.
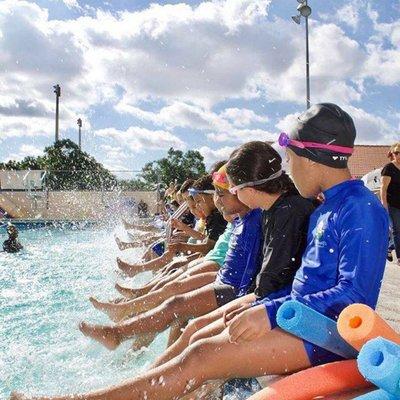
(217, 165)
(203, 183)
(186, 185)
(258, 160)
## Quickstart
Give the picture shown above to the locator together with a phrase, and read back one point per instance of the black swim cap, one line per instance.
(324, 123)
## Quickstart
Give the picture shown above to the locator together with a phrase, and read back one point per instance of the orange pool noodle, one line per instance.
(322, 380)
(359, 323)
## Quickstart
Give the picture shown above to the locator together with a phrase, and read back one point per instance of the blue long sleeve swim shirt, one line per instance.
(242, 258)
(345, 256)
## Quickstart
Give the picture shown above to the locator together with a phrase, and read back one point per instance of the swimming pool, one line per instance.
(43, 296)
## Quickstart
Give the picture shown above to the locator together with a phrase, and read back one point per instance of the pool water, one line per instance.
(44, 294)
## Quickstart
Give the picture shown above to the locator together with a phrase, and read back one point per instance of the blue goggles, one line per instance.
(194, 192)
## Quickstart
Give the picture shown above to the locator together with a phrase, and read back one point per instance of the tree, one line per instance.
(68, 168)
(135, 184)
(176, 166)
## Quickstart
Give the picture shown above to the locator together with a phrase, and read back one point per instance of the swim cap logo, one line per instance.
(341, 158)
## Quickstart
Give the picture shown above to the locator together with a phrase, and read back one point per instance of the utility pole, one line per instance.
(57, 91)
(305, 11)
(79, 122)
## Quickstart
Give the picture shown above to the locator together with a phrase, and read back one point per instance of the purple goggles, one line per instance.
(285, 141)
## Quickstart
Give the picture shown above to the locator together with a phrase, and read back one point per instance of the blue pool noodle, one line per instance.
(379, 362)
(308, 324)
(376, 395)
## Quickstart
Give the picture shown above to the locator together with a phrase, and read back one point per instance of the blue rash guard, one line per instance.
(345, 257)
(242, 259)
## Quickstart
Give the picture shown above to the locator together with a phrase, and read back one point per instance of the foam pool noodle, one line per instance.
(308, 324)
(379, 362)
(359, 323)
(376, 395)
(316, 382)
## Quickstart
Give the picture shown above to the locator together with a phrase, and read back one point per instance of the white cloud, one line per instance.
(383, 63)
(349, 14)
(287, 123)
(116, 159)
(138, 139)
(24, 151)
(229, 124)
(242, 135)
(370, 128)
(213, 155)
(186, 58)
(71, 3)
(241, 117)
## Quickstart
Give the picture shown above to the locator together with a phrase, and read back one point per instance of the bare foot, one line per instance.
(126, 292)
(20, 396)
(17, 396)
(120, 245)
(130, 269)
(114, 311)
(142, 340)
(106, 335)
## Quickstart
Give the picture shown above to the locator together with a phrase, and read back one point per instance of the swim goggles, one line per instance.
(285, 141)
(234, 189)
(193, 191)
(220, 180)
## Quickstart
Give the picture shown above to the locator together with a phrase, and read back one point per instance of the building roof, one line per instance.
(367, 158)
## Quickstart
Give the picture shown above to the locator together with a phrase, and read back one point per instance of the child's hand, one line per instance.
(249, 325)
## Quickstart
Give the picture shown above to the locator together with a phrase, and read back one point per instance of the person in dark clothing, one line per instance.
(390, 194)
(12, 244)
(143, 209)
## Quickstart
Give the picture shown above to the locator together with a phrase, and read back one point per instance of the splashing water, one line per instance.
(44, 294)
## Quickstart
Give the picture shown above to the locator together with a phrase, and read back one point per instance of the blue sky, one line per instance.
(206, 75)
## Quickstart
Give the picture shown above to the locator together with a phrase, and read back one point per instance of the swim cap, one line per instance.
(329, 125)
(220, 178)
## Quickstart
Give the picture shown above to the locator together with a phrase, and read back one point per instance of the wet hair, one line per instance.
(186, 185)
(217, 165)
(258, 160)
(392, 149)
(203, 183)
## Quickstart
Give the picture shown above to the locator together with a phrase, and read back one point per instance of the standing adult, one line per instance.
(390, 193)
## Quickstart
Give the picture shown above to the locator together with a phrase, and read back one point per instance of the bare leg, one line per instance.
(155, 283)
(275, 353)
(153, 265)
(176, 331)
(185, 306)
(118, 311)
(207, 325)
(126, 245)
(130, 293)
(129, 269)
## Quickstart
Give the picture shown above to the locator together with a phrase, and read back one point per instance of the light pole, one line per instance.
(57, 91)
(305, 11)
(79, 122)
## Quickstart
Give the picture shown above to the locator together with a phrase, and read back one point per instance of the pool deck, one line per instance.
(389, 300)
(388, 308)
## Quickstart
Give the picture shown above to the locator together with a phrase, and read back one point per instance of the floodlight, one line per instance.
(304, 10)
(297, 19)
